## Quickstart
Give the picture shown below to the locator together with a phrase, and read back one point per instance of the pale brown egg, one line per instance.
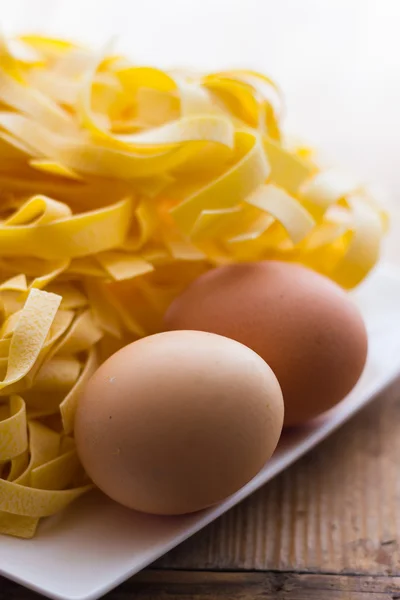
(178, 421)
(301, 323)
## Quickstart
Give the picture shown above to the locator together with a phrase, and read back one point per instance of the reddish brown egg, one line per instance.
(302, 324)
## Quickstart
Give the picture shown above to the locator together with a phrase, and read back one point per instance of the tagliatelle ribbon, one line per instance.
(69, 237)
(13, 434)
(119, 185)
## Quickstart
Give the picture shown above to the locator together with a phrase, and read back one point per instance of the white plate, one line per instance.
(96, 544)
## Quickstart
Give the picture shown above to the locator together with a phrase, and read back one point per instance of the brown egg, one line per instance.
(302, 324)
(178, 421)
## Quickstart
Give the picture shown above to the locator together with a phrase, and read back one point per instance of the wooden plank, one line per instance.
(201, 585)
(255, 586)
(336, 510)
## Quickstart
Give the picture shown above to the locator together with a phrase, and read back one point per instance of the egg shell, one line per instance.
(178, 421)
(301, 323)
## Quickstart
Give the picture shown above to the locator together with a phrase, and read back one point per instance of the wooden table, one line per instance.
(329, 527)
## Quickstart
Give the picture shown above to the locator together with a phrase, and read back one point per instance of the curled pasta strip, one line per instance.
(120, 184)
(13, 433)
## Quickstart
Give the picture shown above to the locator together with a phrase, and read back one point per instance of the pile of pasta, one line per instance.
(120, 184)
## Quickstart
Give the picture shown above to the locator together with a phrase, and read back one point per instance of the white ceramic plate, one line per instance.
(96, 544)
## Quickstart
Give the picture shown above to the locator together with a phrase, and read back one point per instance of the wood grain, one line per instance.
(257, 586)
(334, 511)
(205, 585)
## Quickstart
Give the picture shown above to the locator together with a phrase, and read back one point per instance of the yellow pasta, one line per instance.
(120, 184)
